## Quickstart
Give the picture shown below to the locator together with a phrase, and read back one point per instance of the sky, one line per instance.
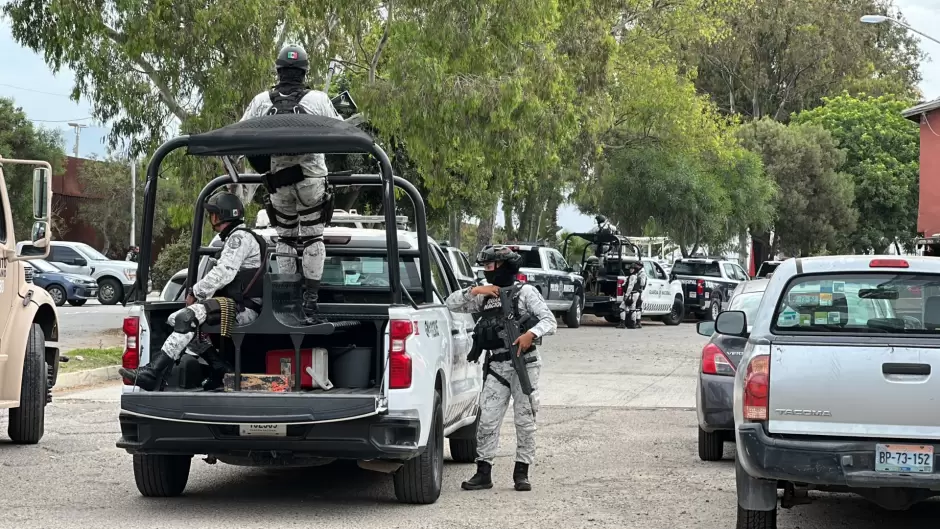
(44, 96)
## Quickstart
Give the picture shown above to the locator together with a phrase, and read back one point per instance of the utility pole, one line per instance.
(133, 199)
(78, 129)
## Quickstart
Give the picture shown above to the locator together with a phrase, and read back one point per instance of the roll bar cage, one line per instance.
(593, 239)
(275, 135)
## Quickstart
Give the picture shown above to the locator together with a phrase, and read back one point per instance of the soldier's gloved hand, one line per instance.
(474, 355)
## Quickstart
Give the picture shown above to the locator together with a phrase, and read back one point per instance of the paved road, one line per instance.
(91, 325)
(617, 449)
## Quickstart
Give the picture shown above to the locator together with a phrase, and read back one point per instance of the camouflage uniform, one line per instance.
(632, 304)
(291, 202)
(494, 400)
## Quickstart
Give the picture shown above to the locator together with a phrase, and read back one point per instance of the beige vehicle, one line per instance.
(28, 319)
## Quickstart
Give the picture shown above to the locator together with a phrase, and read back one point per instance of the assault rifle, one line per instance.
(513, 332)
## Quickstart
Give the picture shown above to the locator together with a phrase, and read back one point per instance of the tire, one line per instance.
(77, 302)
(612, 319)
(59, 297)
(161, 476)
(110, 291)
(27, 422)
(677, 314)
(711, 445)
(419, 480)
(573, 315)
(756, 519)
(714, 308)
(465, 450)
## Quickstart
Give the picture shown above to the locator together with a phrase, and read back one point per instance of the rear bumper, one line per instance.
(833, 462)
(340, 426)
(601, 306)
(715, 402)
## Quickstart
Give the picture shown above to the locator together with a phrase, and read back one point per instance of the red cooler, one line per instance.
(280, 363)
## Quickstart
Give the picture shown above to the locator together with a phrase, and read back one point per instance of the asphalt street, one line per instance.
(91, 325)
(616, 449)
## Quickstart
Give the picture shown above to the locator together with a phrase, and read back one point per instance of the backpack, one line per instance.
(287, 103)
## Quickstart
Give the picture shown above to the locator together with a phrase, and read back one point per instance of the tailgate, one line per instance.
(689, 288)
(250, 407)
(872, 390)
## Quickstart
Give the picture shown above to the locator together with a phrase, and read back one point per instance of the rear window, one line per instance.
(530, 258)
(747, 303)
(367, 271)
(686, 268)
(860, 303)
(767, 268)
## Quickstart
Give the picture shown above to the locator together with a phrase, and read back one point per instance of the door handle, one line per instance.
(455, 332)
(905, 369)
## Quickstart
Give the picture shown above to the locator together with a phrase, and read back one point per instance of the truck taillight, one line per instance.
(757, 388)
(131, 357)
(700, 287)
(620, 283)
(399, 361)
(715, 362)
(521, 277)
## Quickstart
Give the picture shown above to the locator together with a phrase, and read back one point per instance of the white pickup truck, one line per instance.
(399, 381)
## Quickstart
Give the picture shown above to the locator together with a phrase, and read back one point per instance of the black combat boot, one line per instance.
(622, 324)
(149, 377)
(311, 295)
(520, 475)
(481, 480)
(217, 369)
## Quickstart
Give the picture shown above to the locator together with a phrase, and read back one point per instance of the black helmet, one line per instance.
(292, 56)
(226, 205)
(492, 254)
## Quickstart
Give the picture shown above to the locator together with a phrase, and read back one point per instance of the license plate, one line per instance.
(693, 294)
(904, 458)
(262, 430)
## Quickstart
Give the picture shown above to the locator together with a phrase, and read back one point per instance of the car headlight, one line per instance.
(130, 274)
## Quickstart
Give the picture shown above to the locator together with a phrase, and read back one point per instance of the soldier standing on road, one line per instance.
(500, 266)
(631, 307)
(231, 290)
(299, 205)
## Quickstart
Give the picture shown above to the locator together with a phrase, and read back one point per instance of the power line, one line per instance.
(61, 120)
(34, 90)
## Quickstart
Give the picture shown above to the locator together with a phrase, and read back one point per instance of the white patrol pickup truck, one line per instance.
(420, 386)
(663, 300)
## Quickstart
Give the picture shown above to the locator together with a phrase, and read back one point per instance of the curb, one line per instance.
(89, 377)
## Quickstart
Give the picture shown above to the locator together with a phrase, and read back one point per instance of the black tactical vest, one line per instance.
(248, 283)
(287, 103)
(490, 324)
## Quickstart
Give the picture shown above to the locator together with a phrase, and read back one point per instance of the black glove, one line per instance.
(474, 354)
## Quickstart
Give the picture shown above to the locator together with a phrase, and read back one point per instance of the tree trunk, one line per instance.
(510, 228)
(485, 230)
(455, 223)
(743, 250)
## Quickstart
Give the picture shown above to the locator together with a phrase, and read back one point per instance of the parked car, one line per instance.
(837, 392)
(714, 401)
(459, 261)
(74, 288)
(113, 277)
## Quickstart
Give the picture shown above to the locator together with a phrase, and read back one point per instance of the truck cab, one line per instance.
(383, 382)
(29, 362)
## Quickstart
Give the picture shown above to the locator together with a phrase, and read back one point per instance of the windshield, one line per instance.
(348, 270)
(700, 269)
(861, 303)
(747, 303)
(90, 252)
(43, 266)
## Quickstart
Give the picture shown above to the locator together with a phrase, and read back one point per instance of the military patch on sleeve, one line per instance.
(234, 242)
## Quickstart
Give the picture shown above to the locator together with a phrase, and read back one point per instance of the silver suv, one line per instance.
(835, 390)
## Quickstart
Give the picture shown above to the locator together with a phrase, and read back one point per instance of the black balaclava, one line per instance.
(503, 276)
(290, 79)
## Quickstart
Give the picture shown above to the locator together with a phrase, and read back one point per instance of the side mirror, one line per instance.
(41, 196)
(80, 261)
(38, 234)
(732, 323)
(705, 328)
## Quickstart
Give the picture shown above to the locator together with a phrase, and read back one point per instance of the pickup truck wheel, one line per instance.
(714, 309)
(161, 476)
(573, 316)
(756, 519)
(27, 422)
(419, 479)
(676, 314)
(58, 294)
(464, 450)
(110, 291)
(612, 319)
(711, 445)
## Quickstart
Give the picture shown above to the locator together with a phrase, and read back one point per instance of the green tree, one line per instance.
(883, 156)
(20, 139)
(783, 56)
(814, 202)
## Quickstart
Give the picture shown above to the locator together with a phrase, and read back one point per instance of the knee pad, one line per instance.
(185, 321)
